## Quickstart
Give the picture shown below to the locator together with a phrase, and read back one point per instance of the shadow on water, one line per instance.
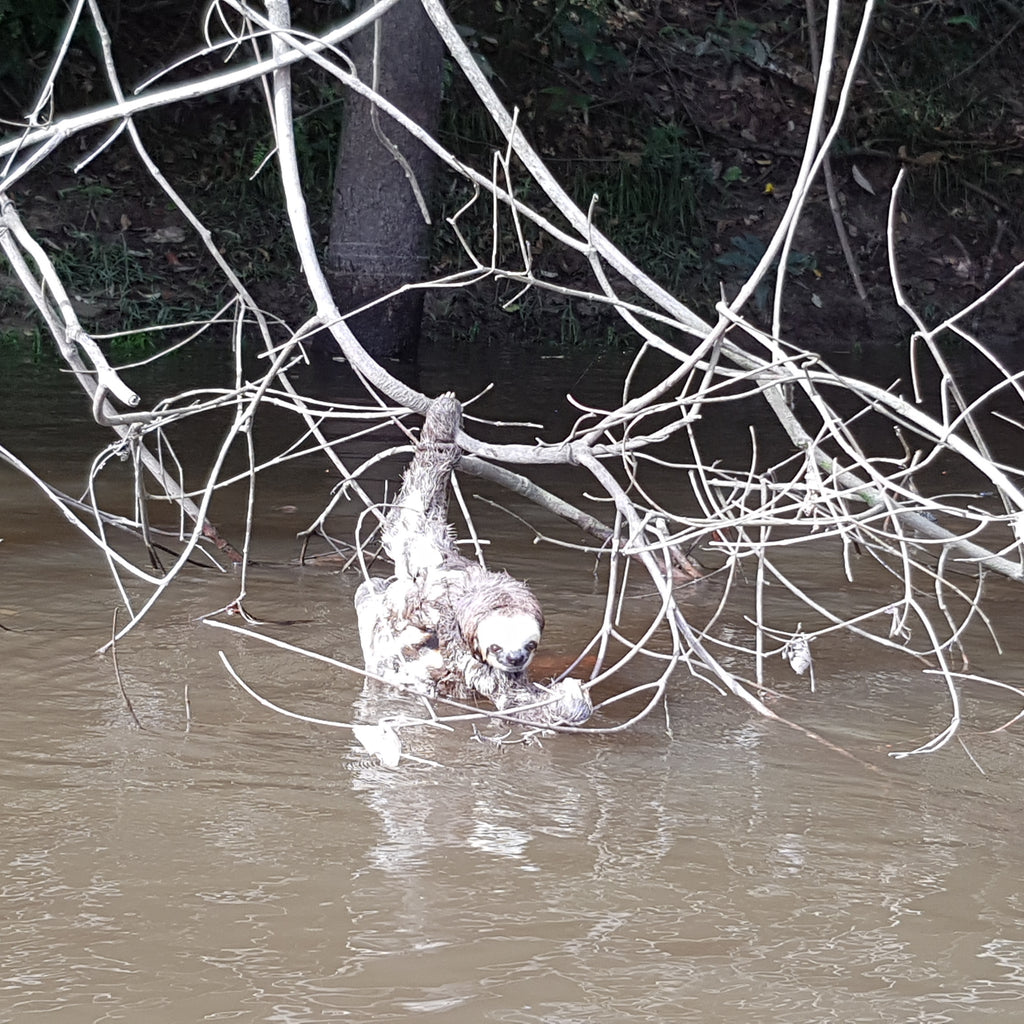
(708, 866)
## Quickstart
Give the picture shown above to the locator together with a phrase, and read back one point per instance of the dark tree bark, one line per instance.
(379, 236)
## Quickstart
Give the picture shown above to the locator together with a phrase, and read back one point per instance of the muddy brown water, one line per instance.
(254, 868)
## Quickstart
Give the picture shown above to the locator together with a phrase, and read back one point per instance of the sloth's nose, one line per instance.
(517, 659)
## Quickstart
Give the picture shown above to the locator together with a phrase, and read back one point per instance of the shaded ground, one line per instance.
(704, 115)
(687, 120)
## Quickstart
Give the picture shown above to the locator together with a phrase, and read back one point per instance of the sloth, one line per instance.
(444, 625)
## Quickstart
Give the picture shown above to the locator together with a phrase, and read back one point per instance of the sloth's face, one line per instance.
(506, 640)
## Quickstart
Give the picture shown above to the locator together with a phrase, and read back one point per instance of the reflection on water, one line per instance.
(254, 868)
(732, 872)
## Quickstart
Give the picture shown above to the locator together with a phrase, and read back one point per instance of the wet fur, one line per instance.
(422, 630)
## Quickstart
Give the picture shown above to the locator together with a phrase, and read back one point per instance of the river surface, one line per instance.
(224, 863)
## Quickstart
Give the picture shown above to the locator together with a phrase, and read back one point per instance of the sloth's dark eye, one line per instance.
(532, 645)
(494, 649)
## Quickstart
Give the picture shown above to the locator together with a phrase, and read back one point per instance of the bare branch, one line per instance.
(837, 493)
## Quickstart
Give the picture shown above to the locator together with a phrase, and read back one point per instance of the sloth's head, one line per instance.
(500, 620)
(506, 640)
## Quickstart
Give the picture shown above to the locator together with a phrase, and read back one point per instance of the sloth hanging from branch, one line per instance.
(444, 625)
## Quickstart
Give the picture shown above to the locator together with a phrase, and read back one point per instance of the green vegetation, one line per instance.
(682, 119)
(945, 97)
(110, 276)
(29, 32)
(649, 200)
(744, 254)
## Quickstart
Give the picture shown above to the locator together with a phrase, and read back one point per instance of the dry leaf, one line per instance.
(858, 176)
(165, 235)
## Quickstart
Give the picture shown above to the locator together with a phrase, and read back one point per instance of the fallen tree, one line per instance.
(830, 492)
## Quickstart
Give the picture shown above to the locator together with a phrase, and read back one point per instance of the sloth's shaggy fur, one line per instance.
(444, 625)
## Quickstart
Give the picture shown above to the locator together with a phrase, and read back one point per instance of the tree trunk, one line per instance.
(379, 235)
